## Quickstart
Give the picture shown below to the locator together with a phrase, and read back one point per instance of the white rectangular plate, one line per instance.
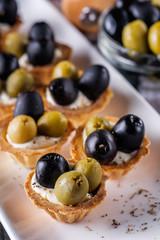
(24, 221)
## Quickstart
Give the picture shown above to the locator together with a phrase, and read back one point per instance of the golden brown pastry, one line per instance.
(78, 98)
(38, 52)
(80, 116)
(38, 146)
(61, 213)
(74, 10)
(48, 196)
(111, 170)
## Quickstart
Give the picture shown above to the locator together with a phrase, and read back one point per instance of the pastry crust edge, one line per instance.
(113, 171)
(28, 157)
(62, 213)
(79, 116)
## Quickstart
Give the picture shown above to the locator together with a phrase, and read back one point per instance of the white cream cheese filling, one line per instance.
(6, 99)
(24, 60)
(81, 101)
(5, 27)
(36, 142)
(48, 193)
(120, 157)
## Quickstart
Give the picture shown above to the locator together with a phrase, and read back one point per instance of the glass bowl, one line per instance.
(126, 59)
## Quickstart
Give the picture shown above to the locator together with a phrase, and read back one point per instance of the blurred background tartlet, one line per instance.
(84, 13)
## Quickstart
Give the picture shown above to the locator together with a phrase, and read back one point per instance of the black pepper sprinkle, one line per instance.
(89, 229)
(140, 191)
(145, 195)
(128, 230)
(133, 212)
(153, 205)
(105, 215)
(152, 211)
(115, 200)
(144, 229)
(144, 223)
(115, 223)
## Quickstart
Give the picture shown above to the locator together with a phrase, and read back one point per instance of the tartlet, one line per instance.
(27, 156)
(84, 106)
(111, 171)
(43, 74)
(6, 109)
(79, 116)
(62, 213)
(39, 51)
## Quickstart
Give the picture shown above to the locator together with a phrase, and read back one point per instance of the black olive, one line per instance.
(29, 103)
(40, 52)
(144, 11)
(126, 3)
(94, 81)
(63, 90)
(8, 11)
(114, 22)
(129, 133)
(8, 64)
(41, 31)
(49, 168)
(101, 145)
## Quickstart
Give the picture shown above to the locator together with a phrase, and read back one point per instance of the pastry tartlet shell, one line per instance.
(62, 213)
(6, 110)
(28, 157)
(79, 116)
(42, 75)
(111, 171)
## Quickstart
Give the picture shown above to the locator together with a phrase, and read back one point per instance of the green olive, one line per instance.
(22, 129)
(156, 3)
(65, 69)
(154, 38)
(15, 43)
(96, 123)
(92, 170)
(1, 85)
(134, 36)
(52, 124)
(19, 81)
(71, 188)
